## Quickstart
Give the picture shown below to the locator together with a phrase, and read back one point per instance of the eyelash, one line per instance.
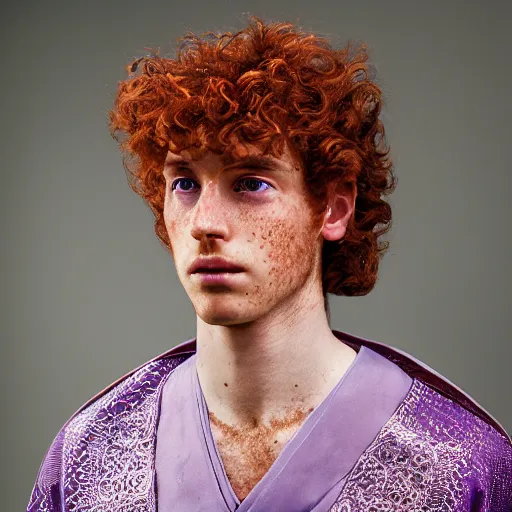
(173, 185)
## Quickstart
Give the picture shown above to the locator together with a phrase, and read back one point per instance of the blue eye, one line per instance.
(175, 182)
(250, 180)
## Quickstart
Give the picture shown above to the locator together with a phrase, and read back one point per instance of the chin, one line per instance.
(223, 315)
(219, 316)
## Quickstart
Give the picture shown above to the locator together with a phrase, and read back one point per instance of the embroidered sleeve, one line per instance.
(46, 493)
(493, 464)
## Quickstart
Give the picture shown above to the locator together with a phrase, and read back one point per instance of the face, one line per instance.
(250, 210)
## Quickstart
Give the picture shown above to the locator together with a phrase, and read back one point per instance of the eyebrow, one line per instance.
(263, 163)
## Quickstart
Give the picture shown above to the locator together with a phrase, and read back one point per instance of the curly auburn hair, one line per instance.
(267, 85)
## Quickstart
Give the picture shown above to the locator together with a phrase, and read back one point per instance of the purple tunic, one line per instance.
(392, 435)
(311, 469)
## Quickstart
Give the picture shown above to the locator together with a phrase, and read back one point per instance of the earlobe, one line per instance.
(334, 230)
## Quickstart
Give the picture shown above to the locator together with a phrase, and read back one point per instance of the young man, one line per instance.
(262, 157)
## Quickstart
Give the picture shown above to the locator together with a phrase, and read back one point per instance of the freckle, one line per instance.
(275, 441)
(226, 384)
(253, 234)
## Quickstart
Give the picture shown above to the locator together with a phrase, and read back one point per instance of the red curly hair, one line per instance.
(267, 85)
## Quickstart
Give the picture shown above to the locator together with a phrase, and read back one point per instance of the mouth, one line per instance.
(218, 277)
(217, 271)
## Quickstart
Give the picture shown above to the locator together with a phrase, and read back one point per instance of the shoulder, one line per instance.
(133, 396)
(444, 437)
(434, 381)
(441, 453)
(141, 381)
(444, 421)
(459, 447)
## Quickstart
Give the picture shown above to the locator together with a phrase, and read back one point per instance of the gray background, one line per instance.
(87, 291)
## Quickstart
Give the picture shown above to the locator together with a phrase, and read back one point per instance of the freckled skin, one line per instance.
(282, 255)
(279, 251)
(248, 452)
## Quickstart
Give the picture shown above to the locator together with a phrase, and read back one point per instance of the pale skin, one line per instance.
(266, 356)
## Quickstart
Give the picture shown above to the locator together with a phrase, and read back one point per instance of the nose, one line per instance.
(211, 215)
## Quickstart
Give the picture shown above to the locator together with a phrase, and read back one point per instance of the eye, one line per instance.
(179, 180)
(253, 184)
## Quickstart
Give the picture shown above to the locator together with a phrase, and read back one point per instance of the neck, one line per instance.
(256, 372)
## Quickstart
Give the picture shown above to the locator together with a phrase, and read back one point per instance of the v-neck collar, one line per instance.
(310, 470)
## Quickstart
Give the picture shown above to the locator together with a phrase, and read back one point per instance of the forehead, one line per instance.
(247, 154)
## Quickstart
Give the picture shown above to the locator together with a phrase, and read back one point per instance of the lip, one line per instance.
(217, 278)
(215, 264)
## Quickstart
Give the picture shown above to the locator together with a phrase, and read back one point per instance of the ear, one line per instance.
(340, 208)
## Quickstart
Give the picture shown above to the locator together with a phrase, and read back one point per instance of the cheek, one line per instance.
(172, 227)
(288, 244)
(172, 219)
(280, 247)
(166, 214)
